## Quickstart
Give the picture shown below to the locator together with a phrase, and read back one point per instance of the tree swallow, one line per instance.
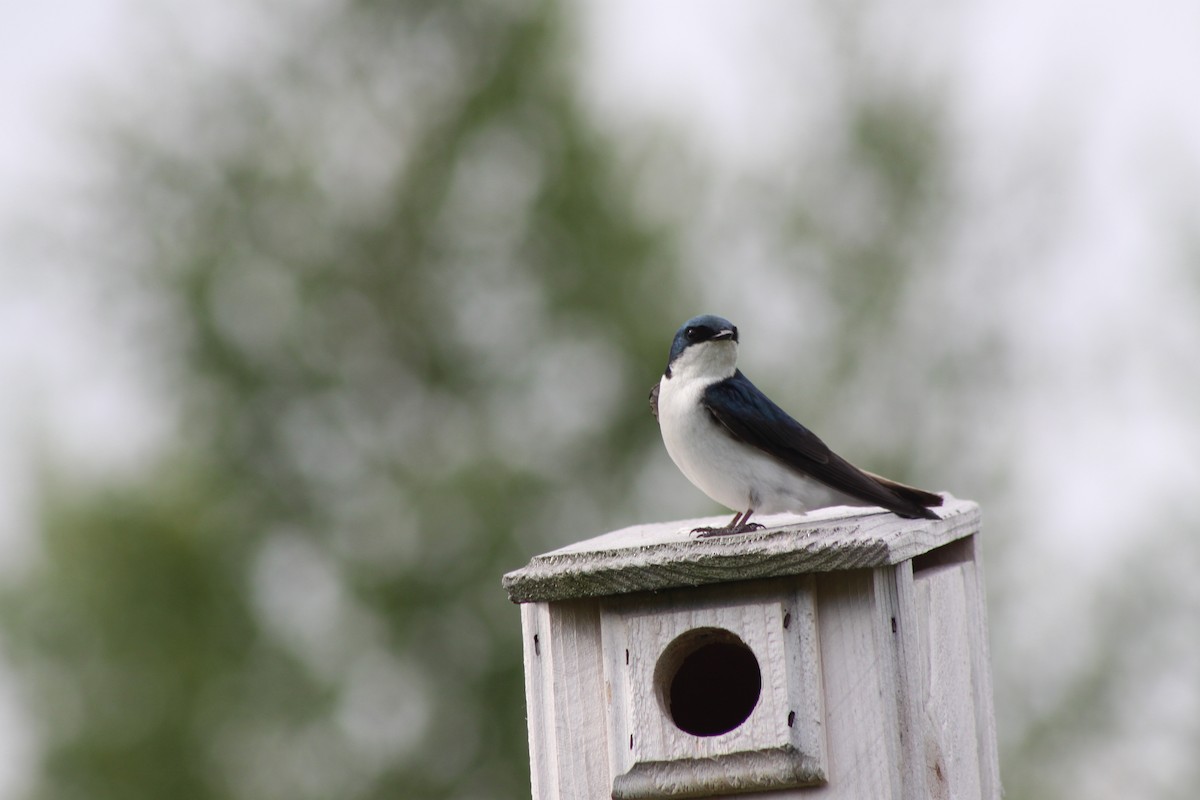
(745, 452)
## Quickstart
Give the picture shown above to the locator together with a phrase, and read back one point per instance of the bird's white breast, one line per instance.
(695, 443)
(731, 472)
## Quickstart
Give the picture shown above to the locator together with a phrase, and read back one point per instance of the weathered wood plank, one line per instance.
(780, 744)
(981, 674)
(667, 555)
(950, 739)
(895, 628)
(564, 688)
(860, 691)
(870, 638)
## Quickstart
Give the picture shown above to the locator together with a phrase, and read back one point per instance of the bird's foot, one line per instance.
(739, 524)
(727, 530)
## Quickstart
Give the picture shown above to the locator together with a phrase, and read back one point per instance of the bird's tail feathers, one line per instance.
(921, 499)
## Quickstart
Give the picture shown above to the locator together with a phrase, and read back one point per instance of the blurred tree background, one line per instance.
(408, 298)
(410, 320)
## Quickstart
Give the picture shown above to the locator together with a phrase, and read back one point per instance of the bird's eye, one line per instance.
(697, 334)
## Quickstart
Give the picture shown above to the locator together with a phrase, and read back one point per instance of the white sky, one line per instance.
(1116, 81)
(1109, 91)
(60, 383)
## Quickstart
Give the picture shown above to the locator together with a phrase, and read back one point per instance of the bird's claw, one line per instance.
(727, 530)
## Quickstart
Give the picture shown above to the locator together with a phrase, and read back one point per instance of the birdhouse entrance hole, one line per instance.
(707, 681)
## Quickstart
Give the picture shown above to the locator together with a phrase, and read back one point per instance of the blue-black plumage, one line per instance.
(744, 451)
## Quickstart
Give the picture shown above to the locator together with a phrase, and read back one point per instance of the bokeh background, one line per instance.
(316, 317)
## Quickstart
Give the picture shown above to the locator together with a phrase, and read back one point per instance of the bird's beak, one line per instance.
(726, 334)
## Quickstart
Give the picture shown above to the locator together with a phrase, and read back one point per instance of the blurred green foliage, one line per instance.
(408, 302)
(407, 313)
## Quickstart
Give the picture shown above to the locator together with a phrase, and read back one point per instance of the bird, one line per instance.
(744, 451)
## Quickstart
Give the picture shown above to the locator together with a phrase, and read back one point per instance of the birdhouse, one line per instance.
(842, 654)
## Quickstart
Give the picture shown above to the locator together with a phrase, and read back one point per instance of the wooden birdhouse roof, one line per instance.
(667, 555)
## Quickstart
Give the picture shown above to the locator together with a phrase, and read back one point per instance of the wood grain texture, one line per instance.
(948, 736)
(898, 622)
(860, 689)
(753, 771)
(782, 742)
(870, 636)
(981, 672)
(565, 700)
(667, 555)
(958, 687)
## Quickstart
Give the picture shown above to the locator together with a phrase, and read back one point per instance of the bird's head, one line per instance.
(705, 346)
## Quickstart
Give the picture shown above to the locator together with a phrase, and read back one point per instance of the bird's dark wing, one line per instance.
(654, 400)
(750, 416)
